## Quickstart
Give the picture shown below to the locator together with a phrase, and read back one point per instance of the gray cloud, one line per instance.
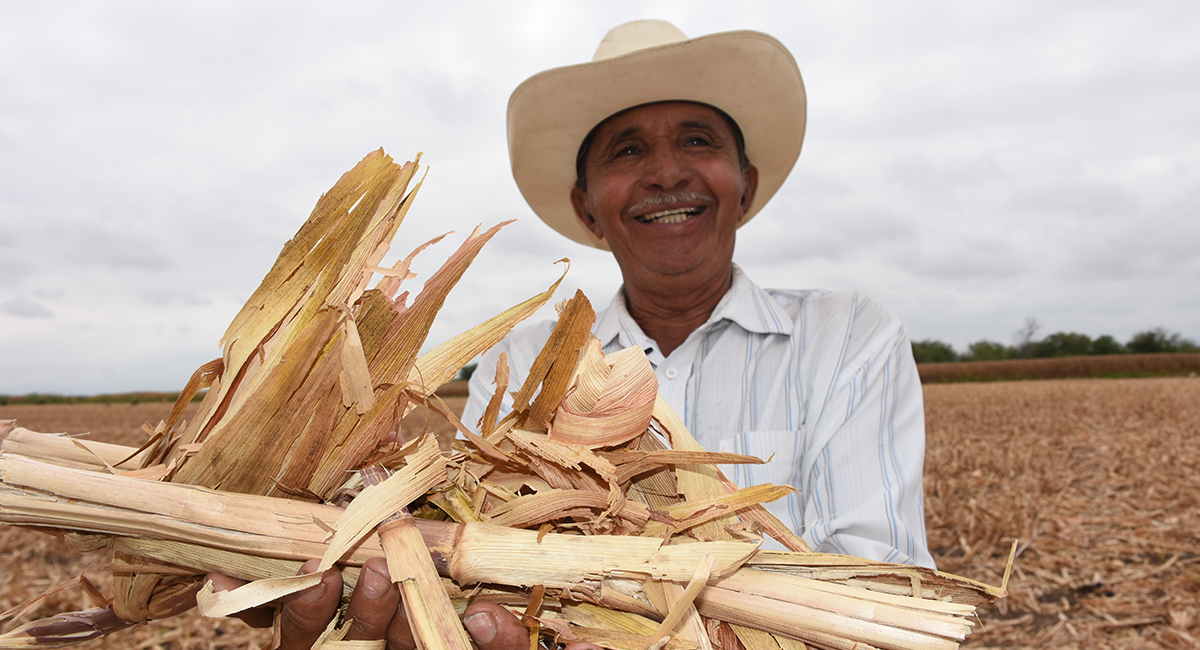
(22, 307)
(967, 164)
(1085, 200)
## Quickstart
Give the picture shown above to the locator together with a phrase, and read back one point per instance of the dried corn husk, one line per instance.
(602, 568)
(611, 399)
(317, 369)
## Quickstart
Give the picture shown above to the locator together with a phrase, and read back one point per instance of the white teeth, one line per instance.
(678, 215)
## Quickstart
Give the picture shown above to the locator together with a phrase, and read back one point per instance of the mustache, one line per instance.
(669, 198)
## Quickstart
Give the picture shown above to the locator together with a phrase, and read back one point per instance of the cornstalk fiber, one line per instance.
(589, 509)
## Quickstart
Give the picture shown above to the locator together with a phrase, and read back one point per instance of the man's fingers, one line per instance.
(307, 613)
(257, 617)
(376, 613)
(373, 603)
(222, 582)
(399, 634)
(494, 628)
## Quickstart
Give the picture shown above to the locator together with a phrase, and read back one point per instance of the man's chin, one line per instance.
(666, 268)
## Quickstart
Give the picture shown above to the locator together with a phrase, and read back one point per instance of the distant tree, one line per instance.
(1149, 341)
(1062, 344)
(1105, 344)
(989, 351)
(1160, 340)
(1023, 339)
(931, 351)
(465, 372)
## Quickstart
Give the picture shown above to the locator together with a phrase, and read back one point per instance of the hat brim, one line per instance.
(748, 75)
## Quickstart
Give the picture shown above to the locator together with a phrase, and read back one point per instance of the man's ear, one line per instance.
(750, 185)
(579, 202)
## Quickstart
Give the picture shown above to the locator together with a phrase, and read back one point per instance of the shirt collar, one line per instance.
(745, 304)
(752, 308)
(615, 324)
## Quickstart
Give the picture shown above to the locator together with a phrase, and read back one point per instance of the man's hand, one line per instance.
(377, 613)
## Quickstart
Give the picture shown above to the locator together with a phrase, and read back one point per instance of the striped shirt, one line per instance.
(824, 384)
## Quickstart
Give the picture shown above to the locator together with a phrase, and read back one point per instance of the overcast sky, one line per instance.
(970, 164)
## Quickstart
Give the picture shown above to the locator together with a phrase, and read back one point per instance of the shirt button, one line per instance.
(672, 373)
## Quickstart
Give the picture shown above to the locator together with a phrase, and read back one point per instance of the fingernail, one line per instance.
(482, 626)
(374, 584)
(313, 593)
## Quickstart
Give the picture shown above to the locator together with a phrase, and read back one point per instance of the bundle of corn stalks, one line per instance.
(589, 508)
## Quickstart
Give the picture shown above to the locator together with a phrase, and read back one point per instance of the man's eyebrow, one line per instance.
(706, 126)
(628, 132)
(635, 130)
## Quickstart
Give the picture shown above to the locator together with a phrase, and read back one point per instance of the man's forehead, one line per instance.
(689, 115)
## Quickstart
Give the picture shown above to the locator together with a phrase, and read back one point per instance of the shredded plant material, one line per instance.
(589, 509)
(994, 452)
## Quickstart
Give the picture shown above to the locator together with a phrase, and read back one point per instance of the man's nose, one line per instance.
(666, 169)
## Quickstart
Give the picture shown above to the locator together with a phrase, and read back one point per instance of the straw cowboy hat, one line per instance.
(749, 75)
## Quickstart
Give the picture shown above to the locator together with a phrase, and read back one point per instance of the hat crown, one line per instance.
(637, 35)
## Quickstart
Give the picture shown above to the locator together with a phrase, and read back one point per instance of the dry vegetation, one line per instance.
(1098, 478)
(38, 561)
(31, 562)
(1112, 365)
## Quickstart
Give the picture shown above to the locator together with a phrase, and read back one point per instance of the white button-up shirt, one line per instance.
(823, 384)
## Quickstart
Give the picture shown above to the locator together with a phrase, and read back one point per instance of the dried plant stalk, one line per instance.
(70, 451)
(780, 617)
(486, 553)
(588, 564)
(681, 607)
(318, 369)
(435, 623)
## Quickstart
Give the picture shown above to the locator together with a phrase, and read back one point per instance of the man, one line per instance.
(667, 146)
(658, 150)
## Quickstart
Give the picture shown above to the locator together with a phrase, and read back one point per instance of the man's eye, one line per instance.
(697, 141)
(625, 151)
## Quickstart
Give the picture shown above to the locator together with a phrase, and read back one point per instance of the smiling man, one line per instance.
(664, 187)
(659, 150)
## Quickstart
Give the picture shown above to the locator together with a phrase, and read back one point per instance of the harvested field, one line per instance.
(1099, 479)
(1113, 365)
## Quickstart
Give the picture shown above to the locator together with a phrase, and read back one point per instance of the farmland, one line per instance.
(1108, 366)
(1098, 479)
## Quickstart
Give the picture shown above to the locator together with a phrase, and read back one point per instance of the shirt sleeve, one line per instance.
(862, 479)
(481, 386)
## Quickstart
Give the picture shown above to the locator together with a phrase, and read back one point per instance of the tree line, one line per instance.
(1059, 344)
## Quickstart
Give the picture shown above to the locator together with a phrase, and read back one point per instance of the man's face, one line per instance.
(665, 191)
